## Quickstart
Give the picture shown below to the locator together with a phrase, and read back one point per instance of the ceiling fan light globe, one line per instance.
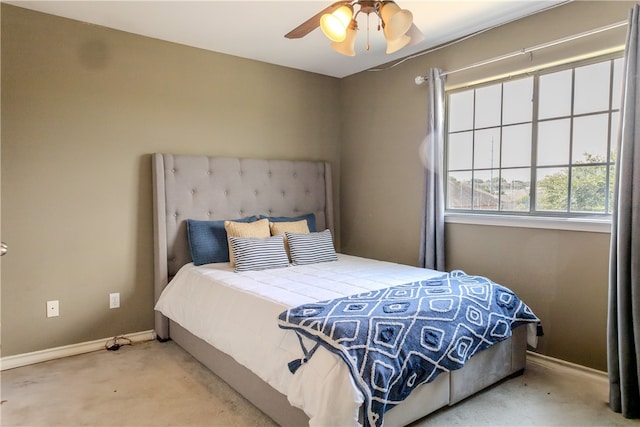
(334, 25)
(344, 14)
(395, 45)
(396, 21)
(333, 28)
(347, 46)
(415, 34)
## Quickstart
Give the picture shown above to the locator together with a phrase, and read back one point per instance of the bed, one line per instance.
(217, 188)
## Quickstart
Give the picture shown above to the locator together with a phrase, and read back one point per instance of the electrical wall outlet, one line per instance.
(114, 300)
(53, 308)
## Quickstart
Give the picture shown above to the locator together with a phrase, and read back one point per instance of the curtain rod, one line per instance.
(422, 79)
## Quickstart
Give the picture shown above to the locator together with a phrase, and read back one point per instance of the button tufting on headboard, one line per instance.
(216, 188)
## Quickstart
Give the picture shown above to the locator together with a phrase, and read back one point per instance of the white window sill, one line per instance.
(593, 225)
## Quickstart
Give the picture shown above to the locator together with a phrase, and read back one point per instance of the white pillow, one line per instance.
(311, 248)
(252, 253)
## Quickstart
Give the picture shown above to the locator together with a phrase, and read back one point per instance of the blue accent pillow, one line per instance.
(208, 240)
(310, 217)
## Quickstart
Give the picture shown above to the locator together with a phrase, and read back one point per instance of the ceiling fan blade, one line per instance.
(314, 22)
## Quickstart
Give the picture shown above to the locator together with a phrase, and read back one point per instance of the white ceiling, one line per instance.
(255, 29)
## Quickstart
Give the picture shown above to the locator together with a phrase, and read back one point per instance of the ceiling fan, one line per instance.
(339, 23)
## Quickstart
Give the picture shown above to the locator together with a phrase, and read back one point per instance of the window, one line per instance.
(541, 144)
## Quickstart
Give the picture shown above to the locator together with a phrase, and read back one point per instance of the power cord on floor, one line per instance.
(116, 342)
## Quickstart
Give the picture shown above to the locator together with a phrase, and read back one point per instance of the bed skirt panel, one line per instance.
(490, 366)
(253, 388)
(482, 370)
(423, 400)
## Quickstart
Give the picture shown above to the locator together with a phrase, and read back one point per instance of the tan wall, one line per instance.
(82, 109)
(83, 106)
(563, 275)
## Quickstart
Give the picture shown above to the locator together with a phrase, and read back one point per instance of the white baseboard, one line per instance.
(553, 363)
(18, 360)
(10, 362)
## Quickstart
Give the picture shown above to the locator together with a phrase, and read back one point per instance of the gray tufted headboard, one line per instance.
(200, 187)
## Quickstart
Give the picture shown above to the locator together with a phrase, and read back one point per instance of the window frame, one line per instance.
(582, 221)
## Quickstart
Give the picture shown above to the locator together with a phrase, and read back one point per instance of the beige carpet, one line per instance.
(156, 384)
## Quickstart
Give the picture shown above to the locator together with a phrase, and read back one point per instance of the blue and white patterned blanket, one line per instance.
(397, 338)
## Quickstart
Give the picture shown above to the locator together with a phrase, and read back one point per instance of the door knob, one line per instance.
(3, 248)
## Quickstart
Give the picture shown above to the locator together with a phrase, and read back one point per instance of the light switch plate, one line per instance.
(114, 300)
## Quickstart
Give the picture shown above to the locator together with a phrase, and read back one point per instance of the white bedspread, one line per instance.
(237, 313)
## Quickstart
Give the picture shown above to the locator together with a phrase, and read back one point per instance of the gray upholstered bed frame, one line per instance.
(215, 188)
(201, 187)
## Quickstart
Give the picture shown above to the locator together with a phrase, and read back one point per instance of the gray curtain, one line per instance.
(623, 341)
(432, 230)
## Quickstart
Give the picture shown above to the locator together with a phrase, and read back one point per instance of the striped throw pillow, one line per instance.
(311, 248)
(258, 228)
(292, 227)
(258, 254)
